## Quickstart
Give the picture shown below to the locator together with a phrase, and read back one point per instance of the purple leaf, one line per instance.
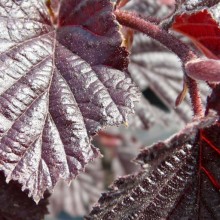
(60, 83)
(182, 183)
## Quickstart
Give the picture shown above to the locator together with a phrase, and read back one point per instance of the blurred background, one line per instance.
(158, 74)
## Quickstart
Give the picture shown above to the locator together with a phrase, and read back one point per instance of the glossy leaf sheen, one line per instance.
(182, 180)
(59, 85)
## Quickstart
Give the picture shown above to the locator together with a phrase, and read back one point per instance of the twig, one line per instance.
(183, 51)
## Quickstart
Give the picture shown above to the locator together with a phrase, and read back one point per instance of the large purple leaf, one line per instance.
(59, 83)
(78, 198)
(180, 179)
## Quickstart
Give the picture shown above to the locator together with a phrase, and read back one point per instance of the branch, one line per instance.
(195, 97)
(183, 51)
(129, 19)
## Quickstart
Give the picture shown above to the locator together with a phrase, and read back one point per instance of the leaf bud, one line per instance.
(203, 69)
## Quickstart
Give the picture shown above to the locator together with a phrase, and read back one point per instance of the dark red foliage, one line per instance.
(61, 81)
(202, 27)
(64, 76)
(179, 177)
(87, 28)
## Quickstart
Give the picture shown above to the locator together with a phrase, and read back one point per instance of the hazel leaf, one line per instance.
(63, 77)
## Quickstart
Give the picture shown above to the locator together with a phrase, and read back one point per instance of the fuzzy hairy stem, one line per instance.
(133, 21)
(195, 97)
(182, 50)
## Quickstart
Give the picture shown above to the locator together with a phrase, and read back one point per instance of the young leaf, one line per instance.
(204, 69)
(202, 27)
(60, 83)
(182, 180)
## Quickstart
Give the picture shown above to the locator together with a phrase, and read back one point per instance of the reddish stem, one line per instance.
(133, 21)
(182, 50)
(195, 97)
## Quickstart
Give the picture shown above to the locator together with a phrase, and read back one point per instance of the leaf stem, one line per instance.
(135, 22)
(183, 51)
(195, 97)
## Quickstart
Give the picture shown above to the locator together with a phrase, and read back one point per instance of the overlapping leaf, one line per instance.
(121, 145)
(146, 115)
(59, 83)
(182, 180)
(202, 27)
